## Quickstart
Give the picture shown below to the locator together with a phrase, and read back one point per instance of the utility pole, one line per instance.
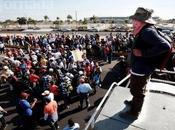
(76, 21)
(173, 24)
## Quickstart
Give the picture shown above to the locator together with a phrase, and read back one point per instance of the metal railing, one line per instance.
(165, 71)
(162, 81)
(91, 122)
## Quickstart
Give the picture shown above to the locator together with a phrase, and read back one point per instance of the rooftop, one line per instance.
(157, 111)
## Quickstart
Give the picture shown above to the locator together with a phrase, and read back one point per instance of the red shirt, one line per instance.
(87, 70)
(34, 78)
(51, 108)
(54, 89)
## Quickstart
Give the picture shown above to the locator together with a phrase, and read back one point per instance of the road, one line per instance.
(83, 33)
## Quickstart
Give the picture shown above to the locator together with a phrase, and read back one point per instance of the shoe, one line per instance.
(129, 103)
(129, 115)
(80, 106)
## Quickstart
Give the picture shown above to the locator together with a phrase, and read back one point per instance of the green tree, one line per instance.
(80, 21)
(57, 22)
(126, 21)
(61, 21)
(85, 21)
(58, 18)
(69, 18)
(21, 20)
(93, 19)
(31, 21)
(46, 18)
(9, 22)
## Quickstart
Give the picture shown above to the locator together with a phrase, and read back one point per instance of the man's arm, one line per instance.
(34, 102)
(157, 43)
(1, 109)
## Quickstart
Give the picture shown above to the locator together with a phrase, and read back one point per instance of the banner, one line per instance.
(77, 55)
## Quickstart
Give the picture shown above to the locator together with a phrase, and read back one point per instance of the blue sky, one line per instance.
(10, 9)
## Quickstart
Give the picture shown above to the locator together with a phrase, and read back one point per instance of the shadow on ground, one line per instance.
(117, 73)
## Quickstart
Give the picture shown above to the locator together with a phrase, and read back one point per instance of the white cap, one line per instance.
(50, 69)
(80, 72)
(46, 92)
(5, 67)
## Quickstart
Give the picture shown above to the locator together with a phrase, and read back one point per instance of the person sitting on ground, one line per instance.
(71, 125)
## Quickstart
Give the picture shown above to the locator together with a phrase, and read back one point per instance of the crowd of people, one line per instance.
(43, 69)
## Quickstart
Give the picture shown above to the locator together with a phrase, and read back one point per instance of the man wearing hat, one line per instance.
(26, 111)
(7, 72)
(48, 94)
(148, 45)
(84, 90)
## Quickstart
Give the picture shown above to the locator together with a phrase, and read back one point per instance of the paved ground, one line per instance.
(109, 75)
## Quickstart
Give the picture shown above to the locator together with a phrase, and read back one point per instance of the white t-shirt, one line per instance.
(75, 127)
(57, 55)
(1, 45)
(50, 96)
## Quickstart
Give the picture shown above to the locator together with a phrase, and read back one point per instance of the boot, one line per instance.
(127, 102)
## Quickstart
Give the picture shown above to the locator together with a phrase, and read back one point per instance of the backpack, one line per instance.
(165, 58)
(19, 109)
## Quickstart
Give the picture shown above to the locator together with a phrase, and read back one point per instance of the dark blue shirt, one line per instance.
(26, 107)
(152, 45)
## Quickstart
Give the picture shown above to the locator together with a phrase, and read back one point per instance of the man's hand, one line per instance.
(137, 52)
(35, 99)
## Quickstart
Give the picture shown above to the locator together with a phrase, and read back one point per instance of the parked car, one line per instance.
(93, 30)
(66, 29)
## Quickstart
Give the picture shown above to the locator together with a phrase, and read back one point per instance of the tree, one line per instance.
(85, 21)
(126, 21)
(58, 18)
(31, 21)
(46, 18)
(8, 21)
(61, 21)
(69, 17)
(80, 21)
(57, 22)
(93, 19)
(21, 20)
